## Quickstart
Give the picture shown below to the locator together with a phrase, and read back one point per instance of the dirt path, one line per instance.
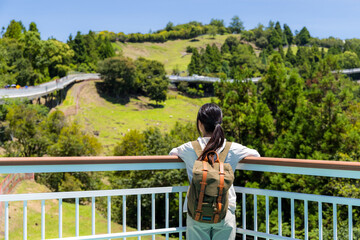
(76, 94)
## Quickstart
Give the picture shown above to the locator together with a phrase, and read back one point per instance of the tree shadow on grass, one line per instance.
(194, 40)
(100, 87)
(155, 105)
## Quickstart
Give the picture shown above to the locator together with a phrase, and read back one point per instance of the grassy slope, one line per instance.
(51, 217)
(171, 53)
(113, 120)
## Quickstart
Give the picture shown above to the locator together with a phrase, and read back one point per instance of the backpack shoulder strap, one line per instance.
(196, 145)
(224, 153)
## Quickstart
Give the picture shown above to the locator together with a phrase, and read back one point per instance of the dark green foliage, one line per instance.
(189, 49)
(119, 74)
(290, 57)
(29, 60)
(348, 60)
(33, 132)
(152, 79)
(33, 27)
(262, 42)
(288, 116)
(247, 119)
(26, 130)
(232, 57)
(236, 25)
(29, 131)
(169, 26)
(288, 34)
(303, 37)
(14, 30)
(195, 63)
(275, 38)
(73, 142)
(89, 49)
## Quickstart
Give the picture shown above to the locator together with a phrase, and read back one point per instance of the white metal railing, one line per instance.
(249, 196)
(33, 92)
(196, 78)
(93, 195)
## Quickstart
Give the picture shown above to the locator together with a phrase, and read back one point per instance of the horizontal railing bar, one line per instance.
(299, 196)
(91, 167)
(85, 194)
(289, 162)
(22, 161)
(323, 172)
(125, 163)
(263, 235)
(127, 234)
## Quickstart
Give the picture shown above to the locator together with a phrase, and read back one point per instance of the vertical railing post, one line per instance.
(350, 222)
(167, 213)
(180, 212)
(153, 214)
(76, 217)
(255, 215)
(42, 219)
(279, 216)
(6, 220)
(25, 221)
(320, 220)
(267, 214)
(139, 214)
(335, 221)
(93, 216)
(292, 218)
(306, 219)
(109, 214)
(124, 213)
(244, 213)
(60, 218)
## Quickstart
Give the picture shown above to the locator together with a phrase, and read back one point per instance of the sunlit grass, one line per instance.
(171, 53)
(113, 120)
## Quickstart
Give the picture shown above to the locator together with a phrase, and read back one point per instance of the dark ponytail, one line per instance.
(210, 115)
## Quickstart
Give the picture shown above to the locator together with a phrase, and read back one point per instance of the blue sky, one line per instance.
(60, 18)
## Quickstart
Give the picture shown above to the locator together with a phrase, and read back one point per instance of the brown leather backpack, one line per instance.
(208, 193)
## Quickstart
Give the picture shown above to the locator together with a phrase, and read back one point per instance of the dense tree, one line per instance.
(195, 63)
(303, 37)
(14, 30)
(33, 27)
(73, 142)
(119, 74)
(152, 78)
(272, 84)
(212, 31)
(290, 57)
(247, 119)
(26, 131)
(217, 22)
(236, 25)
(169, 26)
(349, 60)
(275, 38)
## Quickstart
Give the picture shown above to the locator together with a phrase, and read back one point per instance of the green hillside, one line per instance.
(111, 120)
(51, 217)
(171, 53)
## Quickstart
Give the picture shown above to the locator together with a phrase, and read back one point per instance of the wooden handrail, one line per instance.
(284, 162)
(20, 161)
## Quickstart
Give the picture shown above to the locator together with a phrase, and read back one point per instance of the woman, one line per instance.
(209, 121)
